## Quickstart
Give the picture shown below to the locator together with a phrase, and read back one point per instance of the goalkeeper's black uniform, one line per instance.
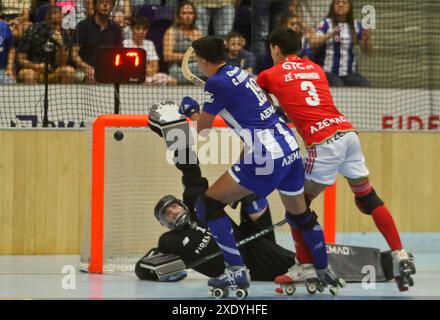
(263, 257)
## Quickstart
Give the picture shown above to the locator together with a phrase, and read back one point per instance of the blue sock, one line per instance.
(313, 236)
(223, 233)
(255, 206)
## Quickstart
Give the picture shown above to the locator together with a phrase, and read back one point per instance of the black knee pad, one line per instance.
(368, 203)
(209, 209)
(304, 221)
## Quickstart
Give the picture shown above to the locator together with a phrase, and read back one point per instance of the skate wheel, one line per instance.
(240, 294)
(403, 288)
(279, 290)
(321, 288)
(334, 291)
(218, 293)
(290, 289)
(311, 288)
(405, 270)
(342, 283)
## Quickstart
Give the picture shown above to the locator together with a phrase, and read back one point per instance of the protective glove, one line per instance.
(189, 106)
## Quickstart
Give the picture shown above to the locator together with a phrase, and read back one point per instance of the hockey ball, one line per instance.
(118, 135)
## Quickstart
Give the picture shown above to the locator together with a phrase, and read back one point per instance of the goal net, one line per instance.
(129, 176)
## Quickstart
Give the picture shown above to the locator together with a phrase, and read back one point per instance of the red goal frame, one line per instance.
(98, 165)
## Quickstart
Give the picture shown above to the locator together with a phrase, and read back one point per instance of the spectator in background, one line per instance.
(335, 39)
(294, 22)
(121, 13)
(237, 55)
(178, 38)
(121, 9)
(7, 54)
(17, 14)
(302, 9)
(46, 40)
(221, 12)
(92, 33)
(139, 28)
(15, 9)
(264, 14)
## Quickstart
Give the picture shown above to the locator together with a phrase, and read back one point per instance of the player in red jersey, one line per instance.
(301, 88)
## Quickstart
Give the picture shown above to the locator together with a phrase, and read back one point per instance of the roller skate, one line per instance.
(329, 278)
(303, 274)
(403, 268)
(235, 278)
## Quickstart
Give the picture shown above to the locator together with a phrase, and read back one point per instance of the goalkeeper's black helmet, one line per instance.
(160, 212)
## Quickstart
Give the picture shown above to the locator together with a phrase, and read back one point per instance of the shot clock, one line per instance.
(120, 65)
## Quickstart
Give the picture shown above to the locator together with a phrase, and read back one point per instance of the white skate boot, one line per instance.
(235, 278)
(328, 277)
(299, 274)
(403, 268)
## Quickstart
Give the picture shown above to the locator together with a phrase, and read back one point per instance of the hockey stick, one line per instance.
(187, 74)
(239, 244)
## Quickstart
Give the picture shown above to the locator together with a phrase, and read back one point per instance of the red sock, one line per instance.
(385, 223)
(303, 253)
(381, 216)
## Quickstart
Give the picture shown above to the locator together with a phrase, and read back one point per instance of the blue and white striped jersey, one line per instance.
(337, 54)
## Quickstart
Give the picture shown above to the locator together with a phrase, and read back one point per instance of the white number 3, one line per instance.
(313, 100)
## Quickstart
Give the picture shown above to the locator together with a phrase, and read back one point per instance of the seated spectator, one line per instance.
(294, 22)
(221, 13)
(46, 40)
(7, 54)
(139, 28)
(237, 55)
(121, 8)
(93, 32)
(335, 40)
(17, 14)
(178, 38)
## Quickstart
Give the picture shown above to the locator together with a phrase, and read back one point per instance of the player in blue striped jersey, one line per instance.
(270, 160)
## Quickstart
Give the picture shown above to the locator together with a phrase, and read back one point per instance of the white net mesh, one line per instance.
(137, 175)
